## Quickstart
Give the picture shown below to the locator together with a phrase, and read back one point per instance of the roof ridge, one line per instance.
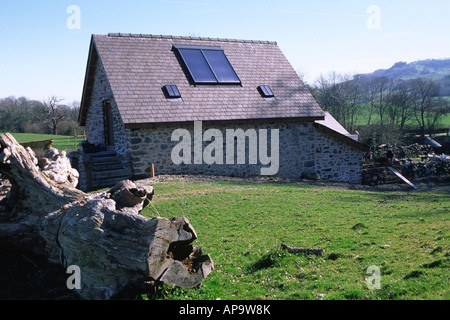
(140, 35)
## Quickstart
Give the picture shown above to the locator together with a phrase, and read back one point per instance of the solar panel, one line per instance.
(197, 65)
(223, 70)
(208, 65)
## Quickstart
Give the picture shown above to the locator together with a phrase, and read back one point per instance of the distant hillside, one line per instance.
(436, 69)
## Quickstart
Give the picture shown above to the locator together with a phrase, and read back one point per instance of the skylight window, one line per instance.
(208, 65)
(171, 91)
(265, 91)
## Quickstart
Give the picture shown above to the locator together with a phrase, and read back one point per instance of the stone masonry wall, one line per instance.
(336, 160)
(302, 150)
(95, 127)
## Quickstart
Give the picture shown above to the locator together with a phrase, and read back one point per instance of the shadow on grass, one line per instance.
(268, 260)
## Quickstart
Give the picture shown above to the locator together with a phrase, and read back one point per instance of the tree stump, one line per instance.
(101, 233)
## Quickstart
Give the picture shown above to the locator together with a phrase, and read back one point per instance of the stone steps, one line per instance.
(102, 169)
(106, 169)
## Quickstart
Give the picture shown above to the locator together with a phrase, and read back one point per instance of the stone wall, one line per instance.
(421, 169)
(302, 151)
(376, 176)
(411, 170)
(95, 126)
(336, 160)
(401, 152)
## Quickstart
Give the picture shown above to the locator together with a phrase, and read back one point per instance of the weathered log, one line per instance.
(316, 251)
(102, 233)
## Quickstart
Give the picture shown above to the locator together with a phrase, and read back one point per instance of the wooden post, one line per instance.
(152, 167)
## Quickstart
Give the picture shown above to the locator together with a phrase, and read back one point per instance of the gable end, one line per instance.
(88, 83)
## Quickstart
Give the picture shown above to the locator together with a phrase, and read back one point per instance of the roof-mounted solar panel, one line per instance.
(265, 91)
(171, 91)
(208, 65)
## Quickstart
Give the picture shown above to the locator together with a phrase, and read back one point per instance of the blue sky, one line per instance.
(42, 55)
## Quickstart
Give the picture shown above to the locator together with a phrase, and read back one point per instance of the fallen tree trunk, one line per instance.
(102, 233)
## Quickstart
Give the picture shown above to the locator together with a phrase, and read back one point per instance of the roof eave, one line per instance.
(144, 125)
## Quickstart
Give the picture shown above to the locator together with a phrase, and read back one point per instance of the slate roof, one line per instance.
(138, 66)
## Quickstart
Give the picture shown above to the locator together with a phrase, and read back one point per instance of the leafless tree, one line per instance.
(341, 96)
(55, 113)
(380, 90)
(399, 105)
(390, 104)
(428, 107)
(352, 97)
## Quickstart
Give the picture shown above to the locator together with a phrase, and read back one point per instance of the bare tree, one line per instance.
(341, 96)
(370, 97)
(428, 108)
(352, 97)
(441, 108)
(381, 91)
(54, 113)
(399, 105)
(328, 93)
(49, 117)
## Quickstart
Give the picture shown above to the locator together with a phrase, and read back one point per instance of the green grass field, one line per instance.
(242, 225)
(363, 117)
(446, 120)
(61, 143)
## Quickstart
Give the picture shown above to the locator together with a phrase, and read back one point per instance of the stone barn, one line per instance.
(193, 105)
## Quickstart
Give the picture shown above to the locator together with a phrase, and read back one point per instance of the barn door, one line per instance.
(108, 122)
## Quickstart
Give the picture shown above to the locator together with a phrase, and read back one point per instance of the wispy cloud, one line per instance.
(196, 7)
(187, 2)
(397, 34)
(318, 13)
(195, 3)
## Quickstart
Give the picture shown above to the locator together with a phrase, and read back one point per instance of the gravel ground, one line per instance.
(435, 184)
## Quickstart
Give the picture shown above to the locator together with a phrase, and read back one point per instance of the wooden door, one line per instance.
(108, 122)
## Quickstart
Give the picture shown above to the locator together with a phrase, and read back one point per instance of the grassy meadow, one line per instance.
(363, 117)
(242, 225)
(60, 142)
